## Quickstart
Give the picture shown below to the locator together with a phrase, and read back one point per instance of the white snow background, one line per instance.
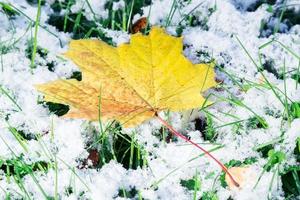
(63, 141)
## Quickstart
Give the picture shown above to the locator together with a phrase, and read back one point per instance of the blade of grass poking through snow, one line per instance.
(206, 103)
(275, 172)
(273, 88)
(91, 30)
(42, 26)
(3, 91)
(77, 21)
(286, 107)
(209, 116)
(206, 78)
(171, 13)
(9, 44)
(258, 69)
(23, 164)
(44, 148)
(1, 57)
(198, 146)
(140, 197)
(66, 16)
(274, 141)
(19, 39)
(230, 123)
(155, 184)
(129, 16)
(91, 9)
(124, 19)
(148, 23)
(297, 181)
(50, 156)
(38, 184)
(277, 25)
(290, 51)
(238, 102)
(190, 12)
(73, 171)
(298, 75)
(99, 112)
(134, 150)
(56, 180)
(131, 149)
(231, 77)
(113, 22)
(229, 115)
(164, 132)
(104, 134)
(197, 185)
(20, 183)
(6, 7)
(16, 177)
(18, 137)
(244, 87)
(36, 27)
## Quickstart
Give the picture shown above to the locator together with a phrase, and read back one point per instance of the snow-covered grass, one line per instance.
(254, 120)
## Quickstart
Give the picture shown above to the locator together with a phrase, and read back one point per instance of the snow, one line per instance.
(65, 140)
(91, 8)
(243, 4)
(118, 5)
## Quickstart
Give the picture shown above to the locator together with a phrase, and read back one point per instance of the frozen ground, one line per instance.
(255, 120)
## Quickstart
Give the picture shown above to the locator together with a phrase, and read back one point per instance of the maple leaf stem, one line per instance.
(173, 131)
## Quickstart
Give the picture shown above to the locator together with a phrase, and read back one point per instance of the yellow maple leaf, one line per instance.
(131, 82)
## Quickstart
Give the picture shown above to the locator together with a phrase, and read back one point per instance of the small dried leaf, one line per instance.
(139, 25)
(242, 175)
